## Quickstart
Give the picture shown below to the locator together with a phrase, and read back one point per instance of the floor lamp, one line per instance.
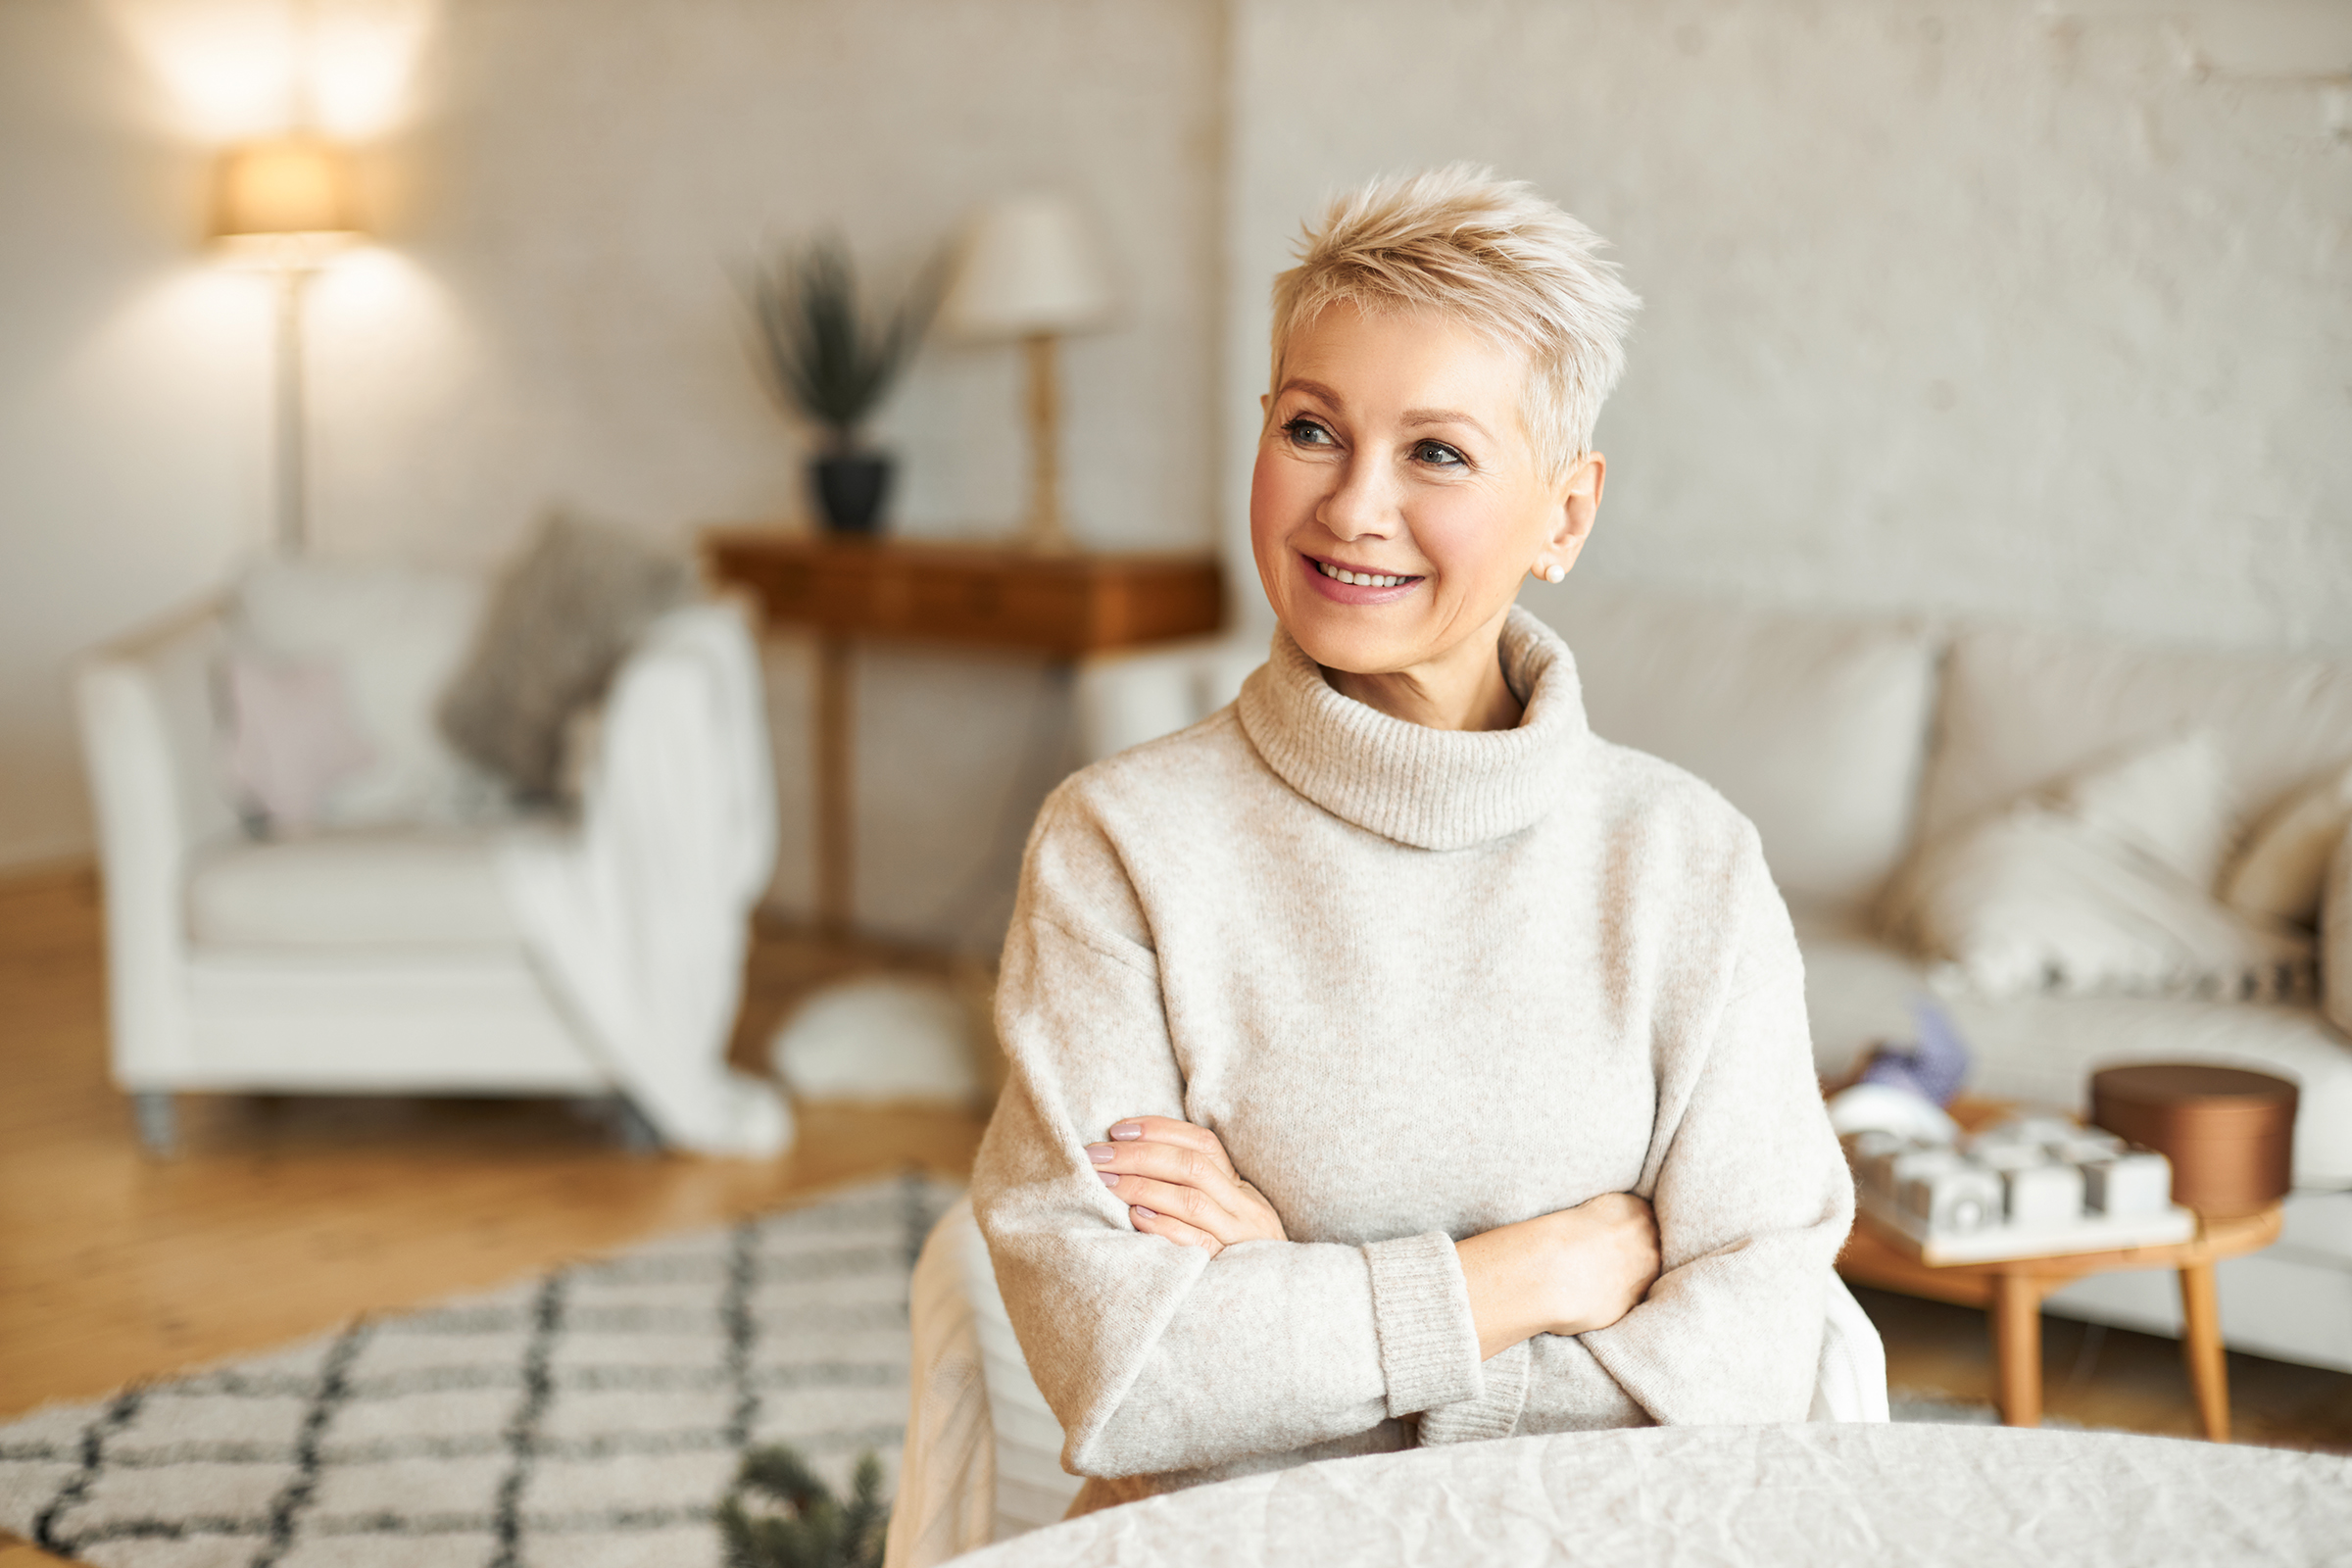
(286, 205)
(1029, 272)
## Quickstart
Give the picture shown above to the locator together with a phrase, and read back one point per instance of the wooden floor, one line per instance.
(283, 1217)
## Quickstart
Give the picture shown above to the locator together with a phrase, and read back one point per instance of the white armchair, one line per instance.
(595, 955)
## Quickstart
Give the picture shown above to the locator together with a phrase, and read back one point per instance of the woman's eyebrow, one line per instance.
(1314, 389)
(1418, 416)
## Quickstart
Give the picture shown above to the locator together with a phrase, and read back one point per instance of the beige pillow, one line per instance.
(2170, 803)
(2094, 889)
(2279, 875)
(2335, 936)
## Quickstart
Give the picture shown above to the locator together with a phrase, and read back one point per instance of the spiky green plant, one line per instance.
(825, 357)
(803, 1525)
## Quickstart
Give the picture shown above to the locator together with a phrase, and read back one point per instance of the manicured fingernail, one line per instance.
(1140, 1209)
(1109, 1179)
(1127, 1131)
(1100, 1153)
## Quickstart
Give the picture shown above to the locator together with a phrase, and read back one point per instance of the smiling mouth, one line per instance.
(1361, 579)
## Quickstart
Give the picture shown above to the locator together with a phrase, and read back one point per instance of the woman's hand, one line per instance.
(1177, 1184)
(1570, 1272)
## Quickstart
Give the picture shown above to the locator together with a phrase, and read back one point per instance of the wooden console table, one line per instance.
(1064, 606)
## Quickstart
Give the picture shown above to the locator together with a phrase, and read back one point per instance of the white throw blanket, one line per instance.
(637, 914)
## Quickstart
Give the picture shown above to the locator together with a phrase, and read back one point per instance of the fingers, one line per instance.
(1179, 1173)
(1152, 1223)
(1189, 1204)
(1168, 1130)
(1167, 1162)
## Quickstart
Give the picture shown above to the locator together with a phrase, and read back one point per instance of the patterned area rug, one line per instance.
(590, 1418)
(1911, 1404)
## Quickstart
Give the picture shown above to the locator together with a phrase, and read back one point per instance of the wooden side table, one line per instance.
(2013, 1289)
(1064, 606)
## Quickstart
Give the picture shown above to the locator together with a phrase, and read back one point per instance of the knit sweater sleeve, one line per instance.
(1156, 1357)
(1753, 1200)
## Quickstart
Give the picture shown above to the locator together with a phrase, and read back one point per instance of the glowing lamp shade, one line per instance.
(287, 201)
(286, 204)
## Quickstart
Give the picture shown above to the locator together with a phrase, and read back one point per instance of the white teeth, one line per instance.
(1361, 579)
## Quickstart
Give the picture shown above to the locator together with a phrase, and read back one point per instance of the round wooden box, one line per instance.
(2228, 1132)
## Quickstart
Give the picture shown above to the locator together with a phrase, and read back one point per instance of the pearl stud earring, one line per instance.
(1552, 572)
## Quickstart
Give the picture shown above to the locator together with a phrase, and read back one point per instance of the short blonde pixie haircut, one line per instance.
(1492, 255)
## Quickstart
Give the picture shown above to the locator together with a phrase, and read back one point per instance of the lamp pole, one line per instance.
(1044, 532)
(293, 475)
(286, 204)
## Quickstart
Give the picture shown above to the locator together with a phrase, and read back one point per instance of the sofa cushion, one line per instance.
(291, 737)
(559, 621)
(2022, 708)
(2283, 865)
(1813, 727)
(2335, 936)
(395, 634)
(2044, 1049)
(404, 888)
(2103, 887)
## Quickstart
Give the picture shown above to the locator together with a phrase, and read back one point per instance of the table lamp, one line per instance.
(1029, 270)
(286, 205)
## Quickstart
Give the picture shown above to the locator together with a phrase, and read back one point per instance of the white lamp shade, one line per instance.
(1029, 265)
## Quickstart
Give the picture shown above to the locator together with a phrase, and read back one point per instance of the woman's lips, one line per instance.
(1354, 593)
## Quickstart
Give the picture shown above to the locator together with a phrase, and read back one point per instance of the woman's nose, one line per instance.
(1359, 507)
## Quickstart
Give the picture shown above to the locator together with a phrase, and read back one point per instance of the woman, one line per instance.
(1393, 1060)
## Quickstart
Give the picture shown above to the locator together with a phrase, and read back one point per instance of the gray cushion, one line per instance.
(559, 621)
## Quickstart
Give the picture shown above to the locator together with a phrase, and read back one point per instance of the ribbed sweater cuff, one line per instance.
(1421, 1312)
(1495, 1412)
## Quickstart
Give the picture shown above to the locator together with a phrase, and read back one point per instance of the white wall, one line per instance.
(567, 195)
(2032, 311)
(132, 399)
(2018, 309)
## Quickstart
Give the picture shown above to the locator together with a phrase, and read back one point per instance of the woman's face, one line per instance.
(1394, 452)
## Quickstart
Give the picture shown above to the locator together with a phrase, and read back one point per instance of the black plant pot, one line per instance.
(849, 492)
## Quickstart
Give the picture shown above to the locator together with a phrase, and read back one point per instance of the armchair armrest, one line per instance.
(640, 916)
(685, 725)
(145, 714)
(1124, 699)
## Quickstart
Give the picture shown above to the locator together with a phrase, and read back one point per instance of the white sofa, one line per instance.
(1848, 742)
(424, 944)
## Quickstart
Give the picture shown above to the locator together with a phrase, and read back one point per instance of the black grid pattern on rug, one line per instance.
(591, 1417)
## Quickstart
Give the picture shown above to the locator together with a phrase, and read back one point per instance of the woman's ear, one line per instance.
(1580, 506)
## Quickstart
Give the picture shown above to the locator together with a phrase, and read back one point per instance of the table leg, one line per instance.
(834, 760)
(2201, 1345)
(2017, 1347)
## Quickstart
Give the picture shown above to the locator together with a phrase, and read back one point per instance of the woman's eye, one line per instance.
(1305, 432)
(1438, 455)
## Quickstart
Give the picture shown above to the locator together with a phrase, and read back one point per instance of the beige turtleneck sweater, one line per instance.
(1422, 983)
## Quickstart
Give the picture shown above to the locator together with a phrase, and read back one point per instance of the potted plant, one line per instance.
(827, 361)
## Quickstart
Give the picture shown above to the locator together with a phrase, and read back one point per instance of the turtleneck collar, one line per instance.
(1434, 788)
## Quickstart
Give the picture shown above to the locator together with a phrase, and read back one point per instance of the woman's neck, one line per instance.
(1461, 688)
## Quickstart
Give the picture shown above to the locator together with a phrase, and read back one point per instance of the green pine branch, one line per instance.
(803, 1525)
(824, 357)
